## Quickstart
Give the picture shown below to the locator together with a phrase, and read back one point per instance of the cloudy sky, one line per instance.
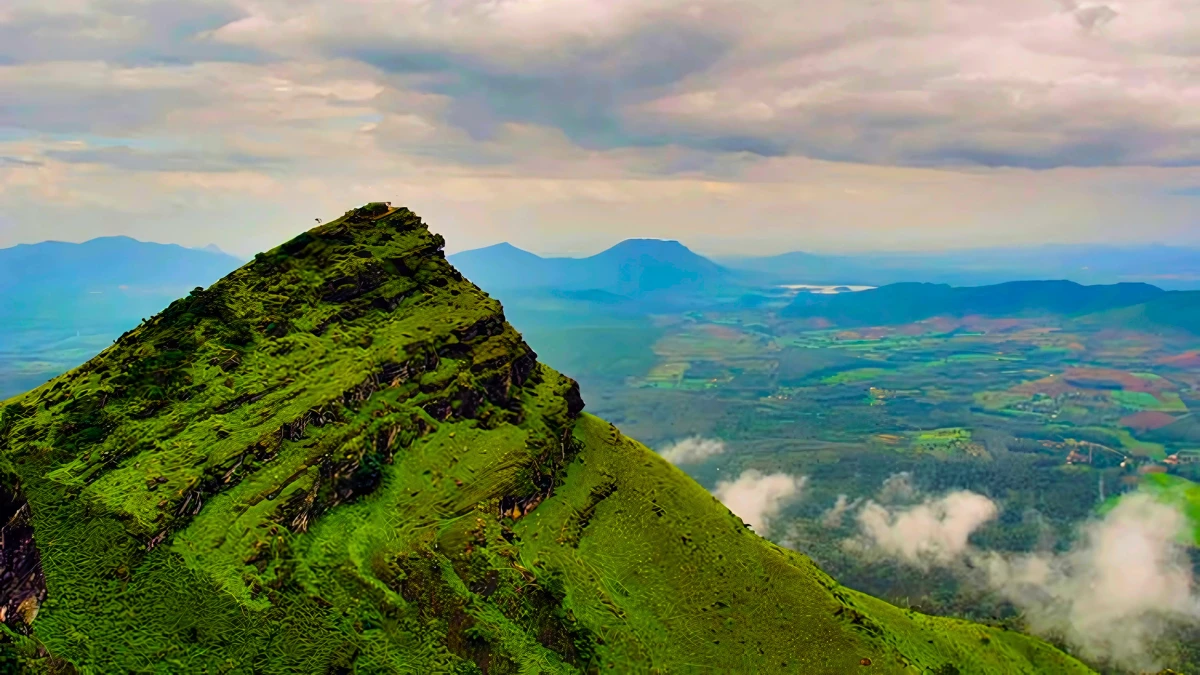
(567, 125)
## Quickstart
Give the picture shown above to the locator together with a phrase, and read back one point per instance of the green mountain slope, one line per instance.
(341, 458)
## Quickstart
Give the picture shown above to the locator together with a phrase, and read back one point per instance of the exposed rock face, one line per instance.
(22, 584)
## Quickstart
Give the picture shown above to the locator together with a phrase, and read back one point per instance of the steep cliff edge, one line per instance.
(341, 458)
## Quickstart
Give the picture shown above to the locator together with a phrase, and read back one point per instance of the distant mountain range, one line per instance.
(213, 248)
(61, 302)
(117, 280)
(1169, 267)
(107, 279)
(637, 267)
(632, 268)
(1131, 304)
(110, 262)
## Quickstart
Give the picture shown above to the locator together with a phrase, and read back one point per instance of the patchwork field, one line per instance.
(1031, 381)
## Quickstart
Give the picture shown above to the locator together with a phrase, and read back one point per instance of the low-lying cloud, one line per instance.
(757, 498)
(932, 532)
(1119, 590)
(693, 450)
(835, 516)
(1114, 596)
(898, 487)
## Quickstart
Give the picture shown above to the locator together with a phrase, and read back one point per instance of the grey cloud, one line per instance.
(17, 162)
(926, 111)
(901, 84)
(836, 514)
(125, 32)
(913, 106)
(1089, 16)
(1094, 16)
(85, 108)
(898, 488)
(136, 160)
(975, 128)
(763, 147)
(1088, 153)
(580, 90)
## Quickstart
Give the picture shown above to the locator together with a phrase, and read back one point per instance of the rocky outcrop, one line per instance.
(22, 584)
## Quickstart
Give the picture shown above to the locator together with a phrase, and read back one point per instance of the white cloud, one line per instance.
(836, 514)
(693, 450)
(897, 488)
(932, 532)
(757, 498)
(1114, 596)
(1119, 590)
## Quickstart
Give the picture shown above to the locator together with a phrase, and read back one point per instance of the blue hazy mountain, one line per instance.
(212, 248)
(633, 268)
(1125, 303)
(1170, 267)
(505, 266)
(110, 262)
(60, 302)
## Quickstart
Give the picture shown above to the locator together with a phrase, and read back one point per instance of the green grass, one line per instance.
(1171, 489)
(1178, 491)
(1121, 438)
(341, 458)
(997, 400)
(942, 441)
(1053, 350)
(702, 593)
(855, 375)
(1164, 402)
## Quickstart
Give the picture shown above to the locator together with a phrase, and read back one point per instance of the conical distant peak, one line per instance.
(644, 245)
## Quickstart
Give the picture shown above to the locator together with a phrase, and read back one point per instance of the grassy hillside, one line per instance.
(341, 458)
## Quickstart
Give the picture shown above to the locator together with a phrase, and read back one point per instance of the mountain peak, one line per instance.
(366, 302)
(503, 246)
(648, 247)
(113, 239)
(500, 251)
(630, 268)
